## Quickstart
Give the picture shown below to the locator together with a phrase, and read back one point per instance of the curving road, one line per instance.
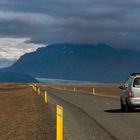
(88, 117)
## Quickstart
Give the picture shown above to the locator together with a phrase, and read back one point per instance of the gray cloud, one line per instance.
(78, 21)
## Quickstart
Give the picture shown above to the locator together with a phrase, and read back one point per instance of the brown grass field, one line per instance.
(24, 115)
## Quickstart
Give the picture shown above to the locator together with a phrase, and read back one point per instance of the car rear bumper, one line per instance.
(134, 102)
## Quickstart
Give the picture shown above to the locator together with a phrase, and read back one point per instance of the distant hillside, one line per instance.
(97, 63)
(15, 77)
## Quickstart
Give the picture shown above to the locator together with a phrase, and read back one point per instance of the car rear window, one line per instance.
(136, 82)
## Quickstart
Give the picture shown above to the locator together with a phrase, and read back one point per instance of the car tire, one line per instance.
(128, 108)
(123, 108)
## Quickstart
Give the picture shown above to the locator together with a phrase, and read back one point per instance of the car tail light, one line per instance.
(131, 95)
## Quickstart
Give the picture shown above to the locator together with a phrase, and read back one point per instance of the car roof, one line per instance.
(135, 74)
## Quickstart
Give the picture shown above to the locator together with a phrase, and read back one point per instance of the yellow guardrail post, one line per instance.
(38, 91)
(46, 97)
(59, 123)
(34, 88)
(93, 91)
(32, 85)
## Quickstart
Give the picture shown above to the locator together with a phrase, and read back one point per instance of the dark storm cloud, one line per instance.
(115, 22)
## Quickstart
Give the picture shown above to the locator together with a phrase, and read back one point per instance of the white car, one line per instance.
(130, 97)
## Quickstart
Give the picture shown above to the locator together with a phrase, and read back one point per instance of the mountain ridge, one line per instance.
(86, 62)
(13, 77)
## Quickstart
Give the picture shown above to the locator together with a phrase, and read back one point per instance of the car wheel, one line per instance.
(128, 107)
(123, 108)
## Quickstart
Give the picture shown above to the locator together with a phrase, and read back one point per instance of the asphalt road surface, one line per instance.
(89, 117)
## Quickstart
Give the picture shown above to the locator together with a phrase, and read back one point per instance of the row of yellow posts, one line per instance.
(39, 92)
(93, 90)
(75, 90)
(59, 113)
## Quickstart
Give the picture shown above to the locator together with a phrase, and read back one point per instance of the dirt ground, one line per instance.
(24, 115)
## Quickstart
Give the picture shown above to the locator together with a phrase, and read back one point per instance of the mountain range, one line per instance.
(85, 62)
(15, 77)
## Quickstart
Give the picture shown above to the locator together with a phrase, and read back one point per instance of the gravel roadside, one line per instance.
(24, 115)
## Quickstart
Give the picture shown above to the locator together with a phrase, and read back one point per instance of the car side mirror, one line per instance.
(121, 87)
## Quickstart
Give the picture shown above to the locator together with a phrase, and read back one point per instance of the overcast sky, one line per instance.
(28, 24)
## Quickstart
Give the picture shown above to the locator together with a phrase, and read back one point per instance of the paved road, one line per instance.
(89, 117)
